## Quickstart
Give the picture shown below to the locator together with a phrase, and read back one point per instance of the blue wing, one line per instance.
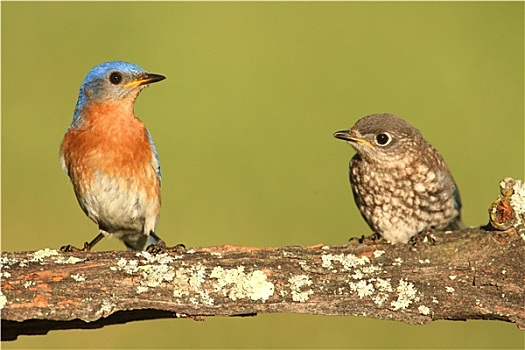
(156, 161)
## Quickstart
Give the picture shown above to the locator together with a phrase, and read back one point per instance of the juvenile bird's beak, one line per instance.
(344, 135)
(145, 79)
(347, 136)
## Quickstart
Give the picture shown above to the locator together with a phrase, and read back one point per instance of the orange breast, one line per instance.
(112, 141)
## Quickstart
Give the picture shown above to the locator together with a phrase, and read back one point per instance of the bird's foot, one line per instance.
(161, 247)
(426, 236)
(372, 239)
(157, 248)
(87, 245)
(178, 248)
(69, 248)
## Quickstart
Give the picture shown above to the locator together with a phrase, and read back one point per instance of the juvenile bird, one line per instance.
(111, 159)
(401, 184)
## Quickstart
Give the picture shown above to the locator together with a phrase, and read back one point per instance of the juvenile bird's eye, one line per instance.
(383, 139)
(115, 78)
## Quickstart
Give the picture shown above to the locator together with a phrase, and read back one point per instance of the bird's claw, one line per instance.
(423, 237)
(160, 247)
(372, 239)
(178, 248)
(70, 248)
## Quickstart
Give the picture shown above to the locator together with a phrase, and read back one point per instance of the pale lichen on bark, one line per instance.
(468, 274)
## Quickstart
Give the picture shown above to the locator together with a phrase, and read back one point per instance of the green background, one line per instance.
(243, 126)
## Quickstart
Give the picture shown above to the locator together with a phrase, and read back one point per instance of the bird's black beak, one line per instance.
(152, 78)
(145, 79)
(344, 135)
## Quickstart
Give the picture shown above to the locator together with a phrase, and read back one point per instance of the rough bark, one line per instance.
(467, 274)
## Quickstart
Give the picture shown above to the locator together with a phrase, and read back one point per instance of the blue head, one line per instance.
(115, 80)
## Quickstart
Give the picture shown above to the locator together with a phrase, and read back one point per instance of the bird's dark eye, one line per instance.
(383, 139)
(115, 78)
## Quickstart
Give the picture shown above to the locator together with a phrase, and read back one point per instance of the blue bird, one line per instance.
(111, 159)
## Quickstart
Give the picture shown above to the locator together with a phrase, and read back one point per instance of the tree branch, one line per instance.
(469, 274)
(460, 275)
